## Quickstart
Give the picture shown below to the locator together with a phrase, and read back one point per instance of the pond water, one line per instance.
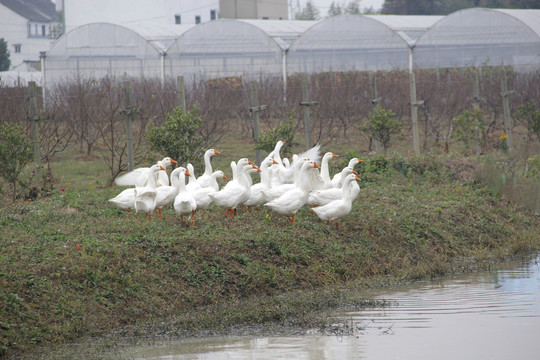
(484, 315)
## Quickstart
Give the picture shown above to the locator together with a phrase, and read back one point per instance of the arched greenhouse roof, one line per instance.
(481, 36)
(357, 43)
(229, 47)
(107, 49)
(284, 32)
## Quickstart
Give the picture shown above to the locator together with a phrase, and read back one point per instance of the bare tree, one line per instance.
(110, 127)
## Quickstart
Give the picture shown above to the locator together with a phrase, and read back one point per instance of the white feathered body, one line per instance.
(125, 200)
(184, 202)
(291, 201)
(236, 191)
(202, 195)
(336, 209)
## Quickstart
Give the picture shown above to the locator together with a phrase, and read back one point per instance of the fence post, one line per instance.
(506, 109)
(375, 100)
(129, 112)
(476, 107)
(307, 104)
(414, 112)
(181, 93)
(254, 110)
(34, 117)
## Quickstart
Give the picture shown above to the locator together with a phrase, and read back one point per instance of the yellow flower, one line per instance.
(503, 136)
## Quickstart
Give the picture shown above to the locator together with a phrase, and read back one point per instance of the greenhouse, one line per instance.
(98, 50)
(249, 48)
(227, 47)
(357, 43)
(478, 36)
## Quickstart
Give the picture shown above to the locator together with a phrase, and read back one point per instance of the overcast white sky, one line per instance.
(324, 5)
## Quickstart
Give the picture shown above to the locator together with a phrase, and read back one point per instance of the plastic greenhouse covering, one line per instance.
(357, 43)
(250, 48)
(479, 36)
(226, 47)
(98, 50)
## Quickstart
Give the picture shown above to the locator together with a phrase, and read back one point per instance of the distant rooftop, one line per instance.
(33, 10)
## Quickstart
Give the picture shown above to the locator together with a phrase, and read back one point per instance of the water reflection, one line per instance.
(488, 315)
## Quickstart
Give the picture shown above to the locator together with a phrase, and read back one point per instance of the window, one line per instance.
(17, 48)
(43, 30)
(213, 15)
(177, 19)
(197, 19)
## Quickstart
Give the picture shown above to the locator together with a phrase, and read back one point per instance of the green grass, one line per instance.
(72, 265)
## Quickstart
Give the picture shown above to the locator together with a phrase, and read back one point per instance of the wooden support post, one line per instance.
(414, 113)
(254, 110)
(34, 117)
(476, 108)
(307, 104)
(375, 100)
(506, 110)
(129, 112)
(181, 93)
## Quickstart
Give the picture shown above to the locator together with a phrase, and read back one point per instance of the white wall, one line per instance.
(13, 28)
(80, 12)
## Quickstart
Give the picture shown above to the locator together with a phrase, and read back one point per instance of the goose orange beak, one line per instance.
(317, 166)
(250, 162)
(357, 178)
(274, 161)
(173, 161)
(354, 172)
(224, 176)
(187, 173)
(216, 152)
(334, 155)
(360, 160)
(161, 167)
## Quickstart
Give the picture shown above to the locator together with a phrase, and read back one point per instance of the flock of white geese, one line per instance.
(285, 186)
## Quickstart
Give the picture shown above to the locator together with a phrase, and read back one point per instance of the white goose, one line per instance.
(335, 210)
(139, 176)
(165, 195)
(204, 179)
(284, 173)
(145, 196)
(237, 190)
(276, 191)
(324, 196)
(257, 197)
(125, 200)
(275, 169)
(202, 195)
(336, 180)
(290, 202)
(192, 185)
(323, 181)
(184, 202)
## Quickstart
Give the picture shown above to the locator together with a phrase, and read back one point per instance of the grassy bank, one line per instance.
(72, 265)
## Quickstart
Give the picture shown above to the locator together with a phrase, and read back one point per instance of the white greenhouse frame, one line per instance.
(253, 48)
(227, 47)
(98, 50)
(358, 43)
(481, 36)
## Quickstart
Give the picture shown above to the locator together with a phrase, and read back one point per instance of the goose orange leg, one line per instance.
(191, 221)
